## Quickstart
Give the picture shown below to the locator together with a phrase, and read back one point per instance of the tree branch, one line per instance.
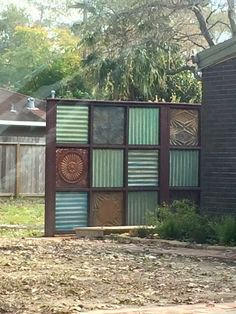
(232, 16)
(184, 68)
(203, 25)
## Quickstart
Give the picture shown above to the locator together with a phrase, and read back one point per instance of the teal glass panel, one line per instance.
(144, 126)
(71, 210)
(141, 205)
(143, 168)
(72, 124)
(184, 166)
(108, 168)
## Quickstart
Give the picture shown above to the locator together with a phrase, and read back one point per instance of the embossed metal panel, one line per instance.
(144, 126)
(141, 205)
(107, 168)
(183, 127)
(143, 168)
(184, 168)
(107, 209)
(72, 124)
(108, 125)
(71, 167)
(71, 210)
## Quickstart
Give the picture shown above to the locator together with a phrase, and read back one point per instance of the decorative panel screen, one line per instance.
(72, 124)
(143, 168)
(108, 168)
(108, 125)
(71, 210)
(184, 168)
(183, 127)
(141, 206)
(113, 163)
(107, 209)
(72, 167)
(144, 126)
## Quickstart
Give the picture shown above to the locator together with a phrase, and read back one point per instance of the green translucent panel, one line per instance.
(141, 205)
(144, 126)
(184, 166)
(108, 125)
(72, 124)
(107, 168)
(142, 168)
(71, 210)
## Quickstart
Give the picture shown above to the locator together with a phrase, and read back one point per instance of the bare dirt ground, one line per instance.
(62, 276)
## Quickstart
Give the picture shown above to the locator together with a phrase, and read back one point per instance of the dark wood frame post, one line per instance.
(164, 154)
(50, 179)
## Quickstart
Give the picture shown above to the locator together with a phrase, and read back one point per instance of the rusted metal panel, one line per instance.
(141, 205)
(72, 124)
(184, 166)
(184, 127)
(108, 125)
(107, 209)
(143, 168)
(144, 126)
(71, 210)
(108, 168)
(71, 167)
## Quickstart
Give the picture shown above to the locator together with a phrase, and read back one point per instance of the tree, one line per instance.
(136, 49)
(39, 60)
(9, 19)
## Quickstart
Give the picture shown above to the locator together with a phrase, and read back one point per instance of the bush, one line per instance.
(225, 230)
(181, 221)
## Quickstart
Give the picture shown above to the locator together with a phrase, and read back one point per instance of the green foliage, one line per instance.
(181, 221)
(225, 230)
(141, 74)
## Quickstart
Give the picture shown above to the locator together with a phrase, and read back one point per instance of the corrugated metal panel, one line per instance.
(140, 206)
(107, 168)
(71, 210)
(142, 168)
(183, 168)
(72, 124)
(144, 126)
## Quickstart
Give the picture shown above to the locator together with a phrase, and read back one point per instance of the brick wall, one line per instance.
(218, 161)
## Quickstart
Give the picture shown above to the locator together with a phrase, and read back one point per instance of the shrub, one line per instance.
(225, 230)
(181, 221)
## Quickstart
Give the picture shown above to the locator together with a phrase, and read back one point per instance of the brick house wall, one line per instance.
(218, 158)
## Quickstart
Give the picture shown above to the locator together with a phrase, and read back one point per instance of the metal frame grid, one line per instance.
(163, 147)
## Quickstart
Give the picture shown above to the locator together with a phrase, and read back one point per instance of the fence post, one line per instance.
(18, 169)
(164, 154)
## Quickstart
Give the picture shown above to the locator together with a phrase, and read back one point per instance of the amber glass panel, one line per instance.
(107, 209)
(71, 167)
(108, 125)
(184, 127)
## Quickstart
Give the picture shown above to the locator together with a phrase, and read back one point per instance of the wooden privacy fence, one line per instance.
(112, 163)
(22, 169)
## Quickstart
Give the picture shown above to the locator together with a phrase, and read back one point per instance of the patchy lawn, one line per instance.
(51, 276)
(22, 212)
